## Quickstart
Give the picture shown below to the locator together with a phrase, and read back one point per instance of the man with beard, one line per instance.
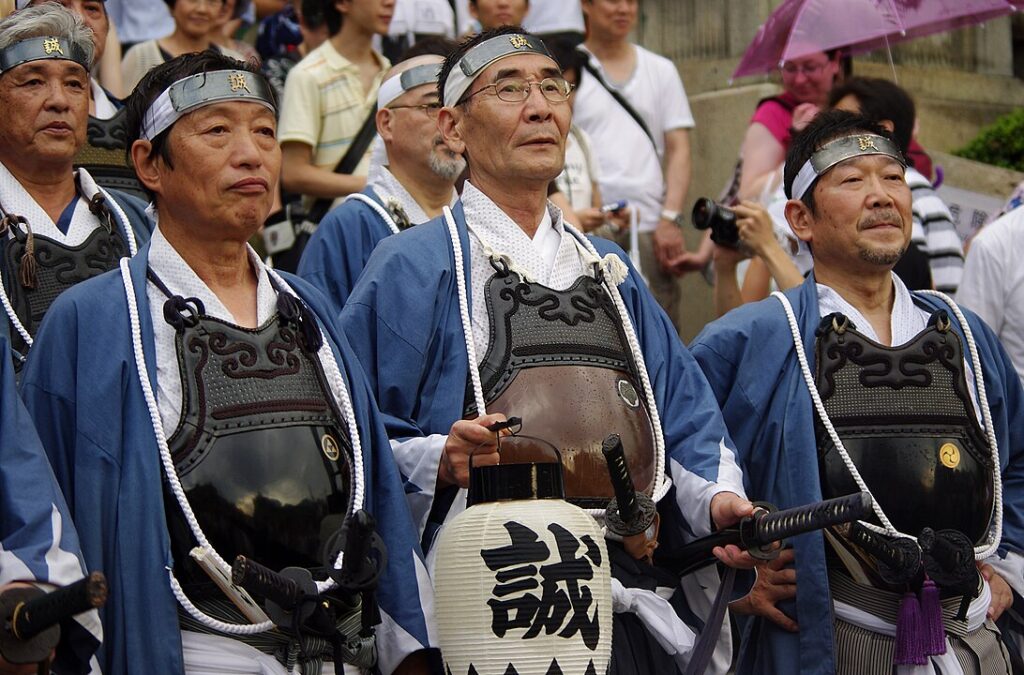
(415, 184)
(59, 226)
(899, 393)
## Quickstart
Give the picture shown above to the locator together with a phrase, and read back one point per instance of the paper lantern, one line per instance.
(522, 579)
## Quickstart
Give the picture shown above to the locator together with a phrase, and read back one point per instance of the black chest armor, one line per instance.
(261, 450)
(103, 156)
(37, 268)
(560, 360)
(906, 418)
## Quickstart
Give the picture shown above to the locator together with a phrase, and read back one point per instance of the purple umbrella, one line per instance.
(801, 27)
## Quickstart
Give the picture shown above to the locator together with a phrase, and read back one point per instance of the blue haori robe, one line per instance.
(81, 386)
(403, 321)
(38, 542)
(337, 252)
(749, 359)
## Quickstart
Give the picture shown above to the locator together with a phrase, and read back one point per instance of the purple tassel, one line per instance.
(931, 615)
(909, 633)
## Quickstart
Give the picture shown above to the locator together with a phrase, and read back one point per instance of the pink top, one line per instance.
(777, 117)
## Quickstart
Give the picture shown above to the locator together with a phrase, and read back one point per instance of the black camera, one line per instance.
(721, 220)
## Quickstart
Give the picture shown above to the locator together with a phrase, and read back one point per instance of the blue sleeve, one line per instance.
(338, 251)
(38, 541)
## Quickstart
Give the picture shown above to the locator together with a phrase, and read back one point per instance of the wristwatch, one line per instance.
(674, 217)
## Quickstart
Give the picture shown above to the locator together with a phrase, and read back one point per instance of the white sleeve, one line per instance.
(673, 102)
(981, 289)
(1011, 569)
(418, 459)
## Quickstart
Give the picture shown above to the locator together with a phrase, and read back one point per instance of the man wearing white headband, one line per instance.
(60, 227)
(901, 394)
(451, 301)
(417, 181)
(196, 368)
(103, 154)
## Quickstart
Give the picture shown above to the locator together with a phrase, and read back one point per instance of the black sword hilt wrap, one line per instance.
(32, 616)
(763, 528)
(757, 533)
(618, 470)
(289, 594)
(266, 583)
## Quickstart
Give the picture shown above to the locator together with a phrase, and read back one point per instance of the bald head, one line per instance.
(419, 69)
(407, 108)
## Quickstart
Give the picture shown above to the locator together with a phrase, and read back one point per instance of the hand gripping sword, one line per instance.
(758, 533)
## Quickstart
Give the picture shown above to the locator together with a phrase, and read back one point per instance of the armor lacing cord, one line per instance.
(5, 224)
(378, 209)
(662, 484)
(996, 529)
(175, 484)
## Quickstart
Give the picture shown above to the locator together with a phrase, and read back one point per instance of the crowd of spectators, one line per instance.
(369, 148)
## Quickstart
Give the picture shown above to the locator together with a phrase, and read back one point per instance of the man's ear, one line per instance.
(384, 119)
(145, 162)
(800, 219)
(449, 123)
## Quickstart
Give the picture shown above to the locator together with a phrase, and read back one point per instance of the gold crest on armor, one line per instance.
(330, 447)
(518, 41)
(867, 143)
(949, 455)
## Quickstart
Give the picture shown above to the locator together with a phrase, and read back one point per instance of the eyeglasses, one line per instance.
(429, 108)
(808, 69)
(517, 89)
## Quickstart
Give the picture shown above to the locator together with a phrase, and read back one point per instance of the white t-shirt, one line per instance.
(464, 20)
(554, 16)
(577, 179)
(993, 282)
(429, 17)
(629, 166)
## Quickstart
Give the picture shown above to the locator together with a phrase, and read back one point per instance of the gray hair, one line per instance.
(47, 19)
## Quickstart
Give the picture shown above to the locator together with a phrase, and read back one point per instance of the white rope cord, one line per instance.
(467, 324)
(15, 321)
(126, 225)
(980, 552)
(380, 210)
(172, 476)
(175, 484)
(661, 484)
(661, 481)
(132, 249)
(996, 532)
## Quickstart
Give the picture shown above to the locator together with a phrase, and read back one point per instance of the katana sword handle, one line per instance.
(35, 616)
(618, 470)
(32, 617)
(756, 533)
(266, 583)
(762, 528)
